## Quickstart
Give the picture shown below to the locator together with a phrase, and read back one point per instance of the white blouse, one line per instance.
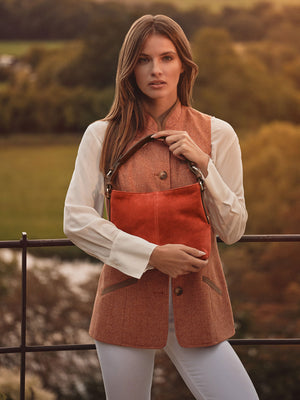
(85, 227)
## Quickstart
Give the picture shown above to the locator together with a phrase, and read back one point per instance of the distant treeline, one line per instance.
(69, 19)
(248, 62)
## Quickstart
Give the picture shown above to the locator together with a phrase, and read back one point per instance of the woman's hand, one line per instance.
(177, 259)
(182, 146)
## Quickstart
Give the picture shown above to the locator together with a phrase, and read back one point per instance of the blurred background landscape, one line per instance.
(57, 66)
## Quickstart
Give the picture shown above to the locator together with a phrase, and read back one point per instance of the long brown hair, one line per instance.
(126, 115)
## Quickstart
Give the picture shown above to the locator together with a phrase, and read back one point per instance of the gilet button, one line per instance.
(178, 291)
(163, 175)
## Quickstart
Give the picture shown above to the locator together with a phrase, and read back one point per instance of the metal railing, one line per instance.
(23, 349)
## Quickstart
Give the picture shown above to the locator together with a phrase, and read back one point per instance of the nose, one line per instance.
(156, 68)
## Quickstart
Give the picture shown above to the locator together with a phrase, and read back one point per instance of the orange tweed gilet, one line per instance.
(131, 312)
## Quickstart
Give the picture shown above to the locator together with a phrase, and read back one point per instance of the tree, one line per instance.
(272, 177)
(235, 85)
(242, 24)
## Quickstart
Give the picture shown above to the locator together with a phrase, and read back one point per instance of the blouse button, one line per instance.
(163, 175)
(178, 291)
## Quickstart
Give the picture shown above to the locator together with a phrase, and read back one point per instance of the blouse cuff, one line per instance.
(130, 254)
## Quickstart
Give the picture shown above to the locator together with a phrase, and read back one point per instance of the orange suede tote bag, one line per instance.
(176, 216)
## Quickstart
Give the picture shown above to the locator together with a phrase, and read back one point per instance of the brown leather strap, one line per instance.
(109, 177)
(123, 158)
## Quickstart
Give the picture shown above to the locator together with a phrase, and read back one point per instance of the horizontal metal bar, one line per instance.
(37, 349)
(62, 347)
(72, 347)
(270, 238)
(10, 350)
(17, 244)
(259, 342)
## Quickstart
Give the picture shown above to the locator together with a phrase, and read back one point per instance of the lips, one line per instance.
(157, 83)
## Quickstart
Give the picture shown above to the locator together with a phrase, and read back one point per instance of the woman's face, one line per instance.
(158, 70)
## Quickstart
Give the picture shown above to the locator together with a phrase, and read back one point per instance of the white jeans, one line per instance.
(211, 373)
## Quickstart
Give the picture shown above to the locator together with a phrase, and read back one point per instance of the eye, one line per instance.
(167, 58)
(143, 60)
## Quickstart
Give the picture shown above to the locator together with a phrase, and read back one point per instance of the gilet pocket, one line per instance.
(119, 285)
(211, 284)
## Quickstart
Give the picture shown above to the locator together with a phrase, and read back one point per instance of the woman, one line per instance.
(153, 295)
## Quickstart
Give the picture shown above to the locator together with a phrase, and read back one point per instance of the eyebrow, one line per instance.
(162, 54)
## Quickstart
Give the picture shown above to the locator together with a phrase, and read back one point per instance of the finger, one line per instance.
(174, 145)
(198, 262)
(193, 251)
(160, 134)
(176, 149)
(175, 137)
(195, 268)
(167, 134)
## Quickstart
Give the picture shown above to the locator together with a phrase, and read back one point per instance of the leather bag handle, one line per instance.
(109, 177)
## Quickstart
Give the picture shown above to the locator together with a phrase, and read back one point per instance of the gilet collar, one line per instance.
(168, 120)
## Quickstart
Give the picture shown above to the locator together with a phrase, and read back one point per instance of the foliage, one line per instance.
(44, 19)
(9, 387)
(240, 68)
(272, 178)
(69, 19)
(264, 278)
(236, 86)
(273, 369)
(20, 47)
(53, 317)
(8, 271)
(55, 108)
(55, 89)
(102, 42)
(218, 5)
(58, 66)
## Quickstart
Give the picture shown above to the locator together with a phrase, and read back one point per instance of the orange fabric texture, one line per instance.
(134, 313)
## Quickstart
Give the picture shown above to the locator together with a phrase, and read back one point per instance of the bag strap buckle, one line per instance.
(196, 171)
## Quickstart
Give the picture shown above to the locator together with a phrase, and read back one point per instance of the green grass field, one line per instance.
(34, 177)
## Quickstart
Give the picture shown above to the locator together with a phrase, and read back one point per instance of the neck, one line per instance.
(158, 108)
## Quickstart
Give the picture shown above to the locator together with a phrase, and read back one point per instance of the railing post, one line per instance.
(23, 320)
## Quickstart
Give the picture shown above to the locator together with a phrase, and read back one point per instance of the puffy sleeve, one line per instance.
(224, 182)
(83, 221)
